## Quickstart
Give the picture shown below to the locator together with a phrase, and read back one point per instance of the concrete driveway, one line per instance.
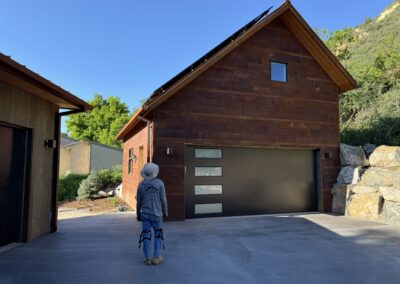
(312, 248)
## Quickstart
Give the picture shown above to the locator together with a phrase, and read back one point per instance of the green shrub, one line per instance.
(99, 180)
(69, 186)
(111, 177)
(90, 187)
(117, 175)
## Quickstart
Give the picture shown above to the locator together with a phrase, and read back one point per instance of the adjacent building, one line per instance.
(30, 112)
(252, 127)
(82, 157)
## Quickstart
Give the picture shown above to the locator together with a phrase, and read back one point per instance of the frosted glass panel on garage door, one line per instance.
(208, 153)
(207, 189)
(210, 208)
(208, 171)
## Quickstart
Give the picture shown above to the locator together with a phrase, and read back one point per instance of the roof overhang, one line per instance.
(31, 82)
(301, 30)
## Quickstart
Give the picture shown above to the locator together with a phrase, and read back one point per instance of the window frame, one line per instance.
(286, 71)
(131, 156)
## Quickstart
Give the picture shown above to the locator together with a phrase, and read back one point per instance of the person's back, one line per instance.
(151, 198)
(151, 207)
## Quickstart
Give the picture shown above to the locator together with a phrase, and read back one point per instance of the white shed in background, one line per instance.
(81, 157)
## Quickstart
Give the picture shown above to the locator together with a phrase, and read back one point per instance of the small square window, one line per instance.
(278, 72)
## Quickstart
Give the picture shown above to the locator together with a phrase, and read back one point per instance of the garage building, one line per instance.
(252, 127)
(29, 149)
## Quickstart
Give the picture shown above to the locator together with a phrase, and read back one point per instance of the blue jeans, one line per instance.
(151, 221)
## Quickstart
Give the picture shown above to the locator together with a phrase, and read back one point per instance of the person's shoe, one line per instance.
(148, 262)
(157, 260)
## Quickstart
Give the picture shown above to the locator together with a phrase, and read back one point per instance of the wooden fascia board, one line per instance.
(18, 74)
(310, 40)
(131, 123)
(31, 88)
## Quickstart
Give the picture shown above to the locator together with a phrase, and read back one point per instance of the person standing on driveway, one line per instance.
(151, 207)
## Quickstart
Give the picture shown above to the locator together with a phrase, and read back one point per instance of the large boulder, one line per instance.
(365, 206)
(369, 149)
(350, 175)
(356, 189)
(352, 156)
(339, 193)
(385, 156)
(391, 213)
(390, 193)
(381, 177)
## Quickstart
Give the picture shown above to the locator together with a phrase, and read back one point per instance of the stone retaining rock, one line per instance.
(391, 213)
(381, 177)
(352, 156)
(369, 149)
(385, 156)
(365, 206)
(356, 189)
(350, 175)
(390, 193)
(339, 194)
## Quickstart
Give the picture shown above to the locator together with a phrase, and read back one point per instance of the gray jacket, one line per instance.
(151, 198)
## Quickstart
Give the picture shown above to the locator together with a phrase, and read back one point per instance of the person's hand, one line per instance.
(138, 217)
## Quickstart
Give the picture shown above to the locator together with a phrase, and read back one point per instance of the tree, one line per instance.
(101, 124)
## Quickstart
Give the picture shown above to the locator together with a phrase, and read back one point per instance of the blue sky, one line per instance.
(128, 48)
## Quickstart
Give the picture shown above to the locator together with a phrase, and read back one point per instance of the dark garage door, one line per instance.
(13, 150)
(231, 181)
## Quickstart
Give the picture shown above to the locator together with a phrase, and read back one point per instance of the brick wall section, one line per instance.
(130, 182)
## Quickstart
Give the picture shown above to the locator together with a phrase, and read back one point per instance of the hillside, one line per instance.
(371, 52)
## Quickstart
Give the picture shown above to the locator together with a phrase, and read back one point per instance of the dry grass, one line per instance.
(76, 208)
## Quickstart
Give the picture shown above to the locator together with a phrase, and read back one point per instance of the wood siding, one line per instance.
(234, 103)
(17, 107)
(130, 182)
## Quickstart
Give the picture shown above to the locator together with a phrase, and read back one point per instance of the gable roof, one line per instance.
(294, 22)
(89, 142)
(14, 73)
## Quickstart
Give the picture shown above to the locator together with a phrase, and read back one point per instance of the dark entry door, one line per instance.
(12, 180)
(227, 181)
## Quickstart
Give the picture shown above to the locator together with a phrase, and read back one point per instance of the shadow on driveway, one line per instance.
(309, 248)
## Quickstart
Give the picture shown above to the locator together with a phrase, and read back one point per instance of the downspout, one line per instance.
(56, 166)
(148, 122)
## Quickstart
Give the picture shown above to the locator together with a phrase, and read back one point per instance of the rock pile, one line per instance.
(369, 189)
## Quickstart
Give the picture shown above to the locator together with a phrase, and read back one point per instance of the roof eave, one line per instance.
(13, 68)
(129, 125)
(317, 48)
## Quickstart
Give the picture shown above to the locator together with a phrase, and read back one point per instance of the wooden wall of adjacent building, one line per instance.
(20, 108)
(234, 103)
(138, 142)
